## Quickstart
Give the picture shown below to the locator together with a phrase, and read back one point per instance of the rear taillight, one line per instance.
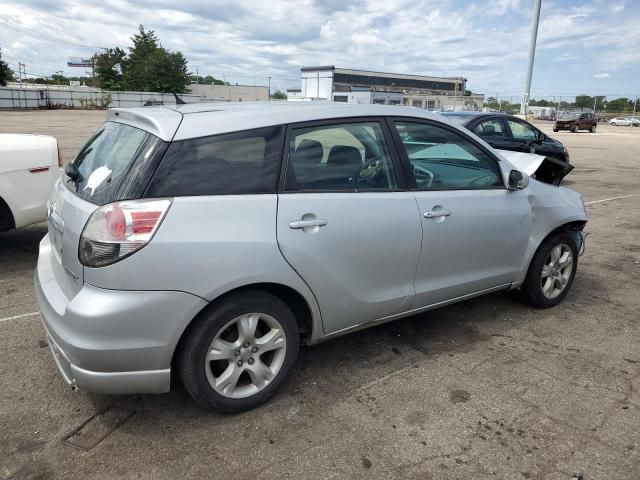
(119, 229)
(60, 162)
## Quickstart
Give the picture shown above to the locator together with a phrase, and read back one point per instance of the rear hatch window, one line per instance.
(115, 164)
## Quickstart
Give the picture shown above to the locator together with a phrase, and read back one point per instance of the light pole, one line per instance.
(524, 106)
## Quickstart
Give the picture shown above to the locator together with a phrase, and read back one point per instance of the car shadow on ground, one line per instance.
(337, 368)
(24, 239)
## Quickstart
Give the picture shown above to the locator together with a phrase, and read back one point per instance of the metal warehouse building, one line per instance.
(361, 86)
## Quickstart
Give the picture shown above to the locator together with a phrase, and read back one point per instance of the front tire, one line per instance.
(240, 352)
(551, 271)
(574, 129)
(593, 129)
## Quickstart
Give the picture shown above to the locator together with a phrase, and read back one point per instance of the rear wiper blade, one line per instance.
(72, 172)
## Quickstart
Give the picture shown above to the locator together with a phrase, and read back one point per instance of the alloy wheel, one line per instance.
(556, 271)
(246, 355)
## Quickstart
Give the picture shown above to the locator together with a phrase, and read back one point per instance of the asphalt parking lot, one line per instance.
(489, 388)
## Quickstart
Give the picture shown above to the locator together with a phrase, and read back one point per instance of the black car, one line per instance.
(507, 132)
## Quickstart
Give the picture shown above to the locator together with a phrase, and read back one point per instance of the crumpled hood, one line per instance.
(545, 169)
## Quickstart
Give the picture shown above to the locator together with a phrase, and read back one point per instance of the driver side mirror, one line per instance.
(517, 180)
(541, 137)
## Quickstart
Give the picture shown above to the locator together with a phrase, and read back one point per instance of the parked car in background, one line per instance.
(29, 166)
(206, 243)
(575, 122)
(620, 122)
(507, 132)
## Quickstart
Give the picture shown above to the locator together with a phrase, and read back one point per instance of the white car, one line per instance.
(29, 166)
(625, 122)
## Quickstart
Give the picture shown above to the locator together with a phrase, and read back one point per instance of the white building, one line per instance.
(335, 84)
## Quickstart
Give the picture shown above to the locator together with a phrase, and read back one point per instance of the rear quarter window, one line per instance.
(245, 162)
(115, 163)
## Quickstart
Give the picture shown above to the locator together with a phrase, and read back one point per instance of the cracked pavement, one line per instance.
(488, 388)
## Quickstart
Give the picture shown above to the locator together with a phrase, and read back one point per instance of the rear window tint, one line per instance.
(227, 164)
(113, 162)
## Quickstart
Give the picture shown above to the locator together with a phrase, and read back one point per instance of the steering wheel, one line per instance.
(423, 175)
(481, 181)
(371, 173)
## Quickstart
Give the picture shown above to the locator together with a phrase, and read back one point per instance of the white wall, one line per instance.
(11, 98)
(317, 84)
(231, 93)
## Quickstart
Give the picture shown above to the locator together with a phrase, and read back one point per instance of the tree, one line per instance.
(147, 67)
(109, 66)
(583, 101)
(208, 80)
(279, 95)
(6, 74)
(620, 105)
(492, 103)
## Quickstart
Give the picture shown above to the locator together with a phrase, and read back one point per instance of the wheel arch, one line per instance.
(300, 307)
(573, 225)
(7, 221)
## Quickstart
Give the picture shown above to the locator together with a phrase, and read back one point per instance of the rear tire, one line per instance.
(551, 271)
(240, 352)
(555, 130)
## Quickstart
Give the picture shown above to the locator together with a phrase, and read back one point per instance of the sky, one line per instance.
(584, 47)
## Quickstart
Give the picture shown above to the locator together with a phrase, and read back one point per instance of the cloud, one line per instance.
(601, 75)
(246, 41)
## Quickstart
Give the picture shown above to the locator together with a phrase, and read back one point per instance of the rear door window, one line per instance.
(245, 162)
(339, 157)
(113, 162)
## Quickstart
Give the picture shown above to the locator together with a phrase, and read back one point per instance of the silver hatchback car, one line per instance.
(208, 242)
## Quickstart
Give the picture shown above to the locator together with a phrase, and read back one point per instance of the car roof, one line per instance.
(203, 119)
(474, 114)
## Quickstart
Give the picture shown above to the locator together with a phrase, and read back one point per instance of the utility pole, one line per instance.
(20, 67)
(269, 95)
(524, 107)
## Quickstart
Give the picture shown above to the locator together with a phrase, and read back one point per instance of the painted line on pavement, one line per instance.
(16, 317)
(612, 198)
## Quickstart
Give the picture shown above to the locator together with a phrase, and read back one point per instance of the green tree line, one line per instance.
(617, 105)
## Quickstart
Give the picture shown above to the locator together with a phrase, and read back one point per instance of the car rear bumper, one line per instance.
(112, 341)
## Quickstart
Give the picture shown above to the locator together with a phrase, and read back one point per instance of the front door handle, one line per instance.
(298, 224)
(436, 213)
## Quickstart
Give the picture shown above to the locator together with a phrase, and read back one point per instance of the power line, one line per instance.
(45, 37)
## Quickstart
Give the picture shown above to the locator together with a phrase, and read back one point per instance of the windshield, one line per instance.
(105, 164)
(569, 116)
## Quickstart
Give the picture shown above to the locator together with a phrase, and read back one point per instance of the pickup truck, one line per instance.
(29, 166)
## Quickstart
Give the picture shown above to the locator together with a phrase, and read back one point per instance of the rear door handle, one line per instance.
(436, 213)
(298, 224)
